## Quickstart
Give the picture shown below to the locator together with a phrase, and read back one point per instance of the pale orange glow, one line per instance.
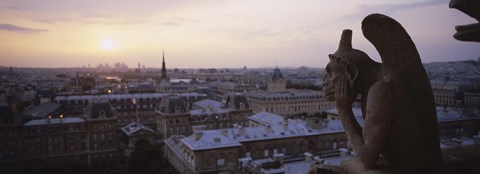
(202, 34)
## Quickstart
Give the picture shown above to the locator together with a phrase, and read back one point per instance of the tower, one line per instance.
(172, 119)
(101, 120)
(278, 83)
(163, 84)
(164, 69)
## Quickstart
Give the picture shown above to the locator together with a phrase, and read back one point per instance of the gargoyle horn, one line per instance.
(345, 40)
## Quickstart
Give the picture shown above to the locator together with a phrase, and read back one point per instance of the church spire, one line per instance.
(164, 69)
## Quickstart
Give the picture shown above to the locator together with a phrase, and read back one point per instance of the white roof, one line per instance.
(356, 111)
(234, 136)
(135, 127)
(290, 93)
(41, 122)
(444, 114)
(208, 106)
(267, 118)
(450, 114)
(207, 103)
(297, 167)
(209, 139)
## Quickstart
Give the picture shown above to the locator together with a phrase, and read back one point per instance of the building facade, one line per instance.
(124, 106)
(472, 98)
(90, 141)
(289, 103)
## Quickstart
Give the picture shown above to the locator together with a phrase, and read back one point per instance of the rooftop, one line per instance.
(43, 109)
(289, 93)
(446, 114)
(42, 122)
(356, 111)
(220, 138)
(123, 96)
(267, 118)
(207, 103)
(132, 128)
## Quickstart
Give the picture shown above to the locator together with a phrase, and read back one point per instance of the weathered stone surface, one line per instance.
(396, 97)
(469, 32)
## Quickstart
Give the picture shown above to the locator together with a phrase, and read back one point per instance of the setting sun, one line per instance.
(107, 44)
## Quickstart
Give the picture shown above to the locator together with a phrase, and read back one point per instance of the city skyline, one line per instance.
(214, 33)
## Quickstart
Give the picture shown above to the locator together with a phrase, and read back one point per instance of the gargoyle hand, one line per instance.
(344, 93)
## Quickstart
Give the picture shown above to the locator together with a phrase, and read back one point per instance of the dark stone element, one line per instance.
(396, 97)
(236, 101)
(173, 104)
(277, 75)
(469, 32)
(99, 109)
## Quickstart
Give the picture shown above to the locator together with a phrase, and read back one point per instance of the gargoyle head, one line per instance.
(470, 32)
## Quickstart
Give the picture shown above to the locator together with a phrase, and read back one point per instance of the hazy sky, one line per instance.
(213, 33)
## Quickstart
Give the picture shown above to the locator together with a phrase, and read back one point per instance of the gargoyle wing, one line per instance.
(392, 42)
(401, 59)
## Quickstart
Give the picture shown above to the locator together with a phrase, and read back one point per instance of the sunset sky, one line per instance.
(213, 33)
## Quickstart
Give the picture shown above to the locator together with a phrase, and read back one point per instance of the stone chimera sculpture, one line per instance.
(469, 32)
(396, 97)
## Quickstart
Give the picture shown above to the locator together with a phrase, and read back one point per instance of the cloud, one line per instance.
(170, 24)
(189, 20)
(392, 8)
(11, 7)
(10, 27)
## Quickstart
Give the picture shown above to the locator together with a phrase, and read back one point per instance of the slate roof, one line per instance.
(42, 122)
(235, 101)
(94, 109)
(124, 96)
(170, 104)
(231, 137)
(277, 75)
(451, 114)
(43, 109)
(132, 128)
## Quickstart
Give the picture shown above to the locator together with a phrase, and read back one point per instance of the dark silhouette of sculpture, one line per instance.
(469, 32)
(396, 97)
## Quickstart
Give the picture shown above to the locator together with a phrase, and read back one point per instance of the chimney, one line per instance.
(269, 129)
(240, 129)
(285, 123)
(225, 132)
(325, 124)
(198, 135)
(343, 152)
